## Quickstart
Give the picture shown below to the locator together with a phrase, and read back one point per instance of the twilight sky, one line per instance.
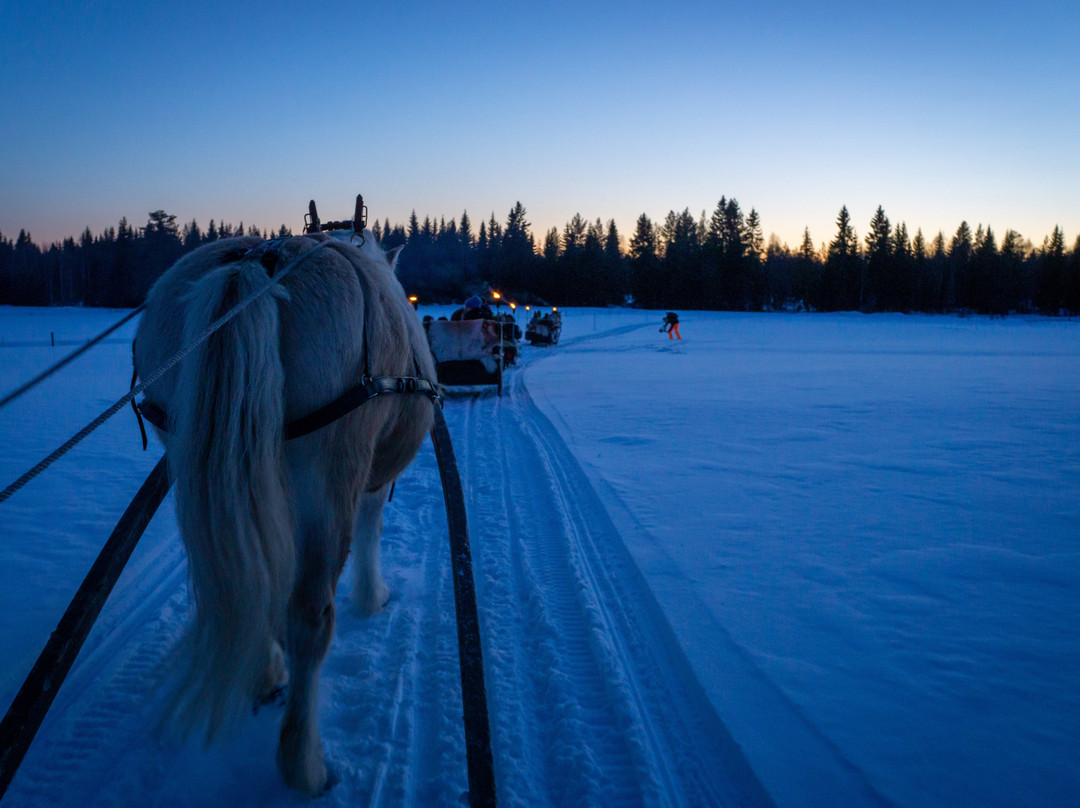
(242, 111)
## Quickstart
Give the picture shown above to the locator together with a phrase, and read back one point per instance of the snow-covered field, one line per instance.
(814, 559)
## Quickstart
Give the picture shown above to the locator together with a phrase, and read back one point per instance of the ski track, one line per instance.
(591, 701)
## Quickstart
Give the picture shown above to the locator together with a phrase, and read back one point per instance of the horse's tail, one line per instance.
(227, 459)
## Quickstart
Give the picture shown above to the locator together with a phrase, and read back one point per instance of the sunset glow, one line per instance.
(940, 112)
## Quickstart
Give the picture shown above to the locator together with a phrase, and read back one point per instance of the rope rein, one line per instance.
(153, 377)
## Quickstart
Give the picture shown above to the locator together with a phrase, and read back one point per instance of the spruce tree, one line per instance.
(873, 288)
(938, 274)
(958, 273)
(569, 279)
(986, 286)
(1051, 279)
(900, 283)
(714, 282)
(682, 266)
(755, 247)
(645, 264)
(466, 254)
(842, 272)
(919, 281)
(734, 270)
(551, 244)
(191, 236)
(547, 280)
(615, 288)
(414, 229)
(806, 275)
(516, 252)
(592, 266)
(1015, 295)
(465, 231)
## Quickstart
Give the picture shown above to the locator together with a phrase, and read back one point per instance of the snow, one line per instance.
(812, 559)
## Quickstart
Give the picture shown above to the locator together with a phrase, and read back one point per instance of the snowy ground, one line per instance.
(831, 556)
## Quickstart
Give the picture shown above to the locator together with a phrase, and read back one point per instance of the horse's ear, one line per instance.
(392, 256)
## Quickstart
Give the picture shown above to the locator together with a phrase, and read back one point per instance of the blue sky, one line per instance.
(938, 111)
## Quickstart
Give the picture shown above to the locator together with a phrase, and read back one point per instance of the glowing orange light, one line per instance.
(496, 295)
(513, 305)
(413, 298)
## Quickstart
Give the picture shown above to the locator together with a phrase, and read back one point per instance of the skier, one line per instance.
(671, 324)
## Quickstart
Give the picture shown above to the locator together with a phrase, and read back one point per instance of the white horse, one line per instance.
(267, 524)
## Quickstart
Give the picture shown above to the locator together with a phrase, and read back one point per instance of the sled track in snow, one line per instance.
(106, 700)
(584, 699)
(395, 735)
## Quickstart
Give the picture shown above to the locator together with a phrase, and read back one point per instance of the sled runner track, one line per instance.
(678, 734)
(581, 701)
(101, 712)
(398, 739)
(437, 748)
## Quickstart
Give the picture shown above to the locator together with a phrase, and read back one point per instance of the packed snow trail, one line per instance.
(591, 699)
(591, 693)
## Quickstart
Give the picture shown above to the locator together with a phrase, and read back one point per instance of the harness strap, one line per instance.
(134, 406)
(369, 388)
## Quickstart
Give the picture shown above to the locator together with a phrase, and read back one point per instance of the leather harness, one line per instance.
(369, 387)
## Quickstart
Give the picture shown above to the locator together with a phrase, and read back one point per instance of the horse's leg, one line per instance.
(310, 627)
(370, 593)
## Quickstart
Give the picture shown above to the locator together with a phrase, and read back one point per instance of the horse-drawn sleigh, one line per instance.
(278, 470)
(474, 347)
(544, 329)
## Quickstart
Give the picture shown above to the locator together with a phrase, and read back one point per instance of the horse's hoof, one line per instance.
(373, 600)
(309, 779)
(382, 597)
(332, 779)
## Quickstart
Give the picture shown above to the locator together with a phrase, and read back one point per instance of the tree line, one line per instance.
(114, 269)
(719, 261)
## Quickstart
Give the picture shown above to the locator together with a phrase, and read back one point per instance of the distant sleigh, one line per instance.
(467, 353)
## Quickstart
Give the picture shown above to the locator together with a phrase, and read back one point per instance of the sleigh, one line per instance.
(467, 352)
(544, 330)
